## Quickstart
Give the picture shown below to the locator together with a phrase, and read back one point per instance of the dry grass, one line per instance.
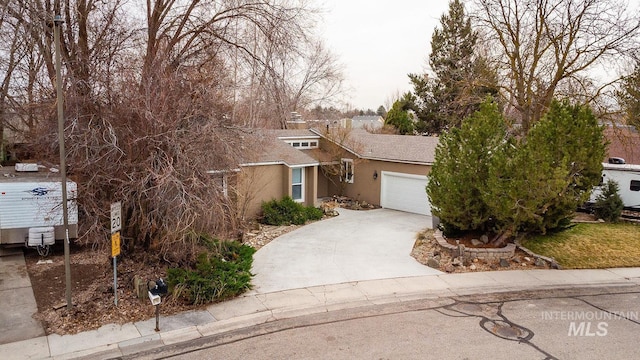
(591, 246)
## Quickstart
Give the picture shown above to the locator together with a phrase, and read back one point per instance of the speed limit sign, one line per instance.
(116, 217)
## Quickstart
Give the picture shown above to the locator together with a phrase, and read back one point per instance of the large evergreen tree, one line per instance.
(460, 78)
(461, 169)
(400, 117)
(483, 179)
(538, 186)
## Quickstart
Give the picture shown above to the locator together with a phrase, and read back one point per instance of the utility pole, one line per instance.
(57, 21)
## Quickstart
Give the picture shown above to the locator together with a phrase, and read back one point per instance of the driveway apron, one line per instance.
(354, 246)
(17, 302)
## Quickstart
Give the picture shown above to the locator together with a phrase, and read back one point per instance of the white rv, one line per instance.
(31, 207)
(628, 178)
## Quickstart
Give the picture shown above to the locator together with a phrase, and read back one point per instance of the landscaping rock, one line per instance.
(456, 262)
(504, 262)
(555, 265)
(539, 262)
(433, 263)
(516, 259)
(449, 268)
(484, 239)
(472, 267)
(527, 259)
(476, 242)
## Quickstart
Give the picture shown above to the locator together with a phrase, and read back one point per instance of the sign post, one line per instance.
(116, 226)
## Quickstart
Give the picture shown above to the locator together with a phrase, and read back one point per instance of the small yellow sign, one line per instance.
(115, 244)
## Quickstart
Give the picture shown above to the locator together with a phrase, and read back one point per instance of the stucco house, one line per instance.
(386, 170)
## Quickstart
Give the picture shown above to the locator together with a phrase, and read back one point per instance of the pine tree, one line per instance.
(461, 79)
(461, 170)
(609, 204)
(399, 115)
(539, 183)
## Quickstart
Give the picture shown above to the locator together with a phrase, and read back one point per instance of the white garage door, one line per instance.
(405, 192)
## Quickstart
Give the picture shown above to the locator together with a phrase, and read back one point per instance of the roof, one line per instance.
(275, 151)
(624, 142)
(44, 174)
(394, 148)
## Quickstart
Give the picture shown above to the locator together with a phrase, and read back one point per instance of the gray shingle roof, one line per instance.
(274, 150)
(396, 148)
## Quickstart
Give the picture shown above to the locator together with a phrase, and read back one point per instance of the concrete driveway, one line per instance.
(17, 303)
(354, 246)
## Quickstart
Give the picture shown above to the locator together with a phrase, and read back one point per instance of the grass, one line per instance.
(591, 246)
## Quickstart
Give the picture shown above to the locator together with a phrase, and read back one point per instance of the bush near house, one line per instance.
(287, 212)
(221, 273)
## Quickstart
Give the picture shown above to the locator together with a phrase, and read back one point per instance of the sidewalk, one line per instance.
(118, 340)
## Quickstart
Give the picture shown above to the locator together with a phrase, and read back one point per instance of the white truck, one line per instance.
(31, 211)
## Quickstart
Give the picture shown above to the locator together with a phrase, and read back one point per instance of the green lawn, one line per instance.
(591, 246)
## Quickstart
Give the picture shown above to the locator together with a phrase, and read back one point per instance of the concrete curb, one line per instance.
(122, 340)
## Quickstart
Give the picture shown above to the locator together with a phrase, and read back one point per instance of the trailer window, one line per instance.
(635, 185)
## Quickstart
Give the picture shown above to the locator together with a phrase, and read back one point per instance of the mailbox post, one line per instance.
(157, 289)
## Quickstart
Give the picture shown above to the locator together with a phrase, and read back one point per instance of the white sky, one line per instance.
(379, 42)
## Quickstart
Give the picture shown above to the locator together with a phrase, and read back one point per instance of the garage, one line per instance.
(404, 192)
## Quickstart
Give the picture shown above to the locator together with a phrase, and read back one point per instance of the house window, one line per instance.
(346, 173)
(297, 184)
(635, 185)
(302, 145)
(221, 184)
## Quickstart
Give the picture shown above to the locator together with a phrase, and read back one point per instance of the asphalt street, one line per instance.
(579, 323)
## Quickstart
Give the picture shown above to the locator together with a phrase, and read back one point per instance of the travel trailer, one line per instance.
(31, 212)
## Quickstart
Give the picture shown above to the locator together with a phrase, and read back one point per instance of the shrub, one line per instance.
(222, 272)
(313, 213)
(609, 204)
(287, 212)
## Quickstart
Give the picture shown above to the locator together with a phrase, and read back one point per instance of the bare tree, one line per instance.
(543, 46)
(339, 139)
(148, 108)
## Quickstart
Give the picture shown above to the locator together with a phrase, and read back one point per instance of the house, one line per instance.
(310, 164)
(371, 122)
(624, 143)
(386, 170)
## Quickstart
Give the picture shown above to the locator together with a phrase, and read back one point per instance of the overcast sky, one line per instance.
(379, 42)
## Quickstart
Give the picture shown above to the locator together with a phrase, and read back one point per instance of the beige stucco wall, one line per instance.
(257, 184)
(365, 188)
(266, 182)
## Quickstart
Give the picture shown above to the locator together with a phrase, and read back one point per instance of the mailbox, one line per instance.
(155, 299)
(159, 287)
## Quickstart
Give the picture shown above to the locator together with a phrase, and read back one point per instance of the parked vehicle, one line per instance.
(628, 178)
(31, 211)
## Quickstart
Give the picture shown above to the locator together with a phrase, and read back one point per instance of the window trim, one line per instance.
(347, 171)
(303, 144)
(301, 184)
